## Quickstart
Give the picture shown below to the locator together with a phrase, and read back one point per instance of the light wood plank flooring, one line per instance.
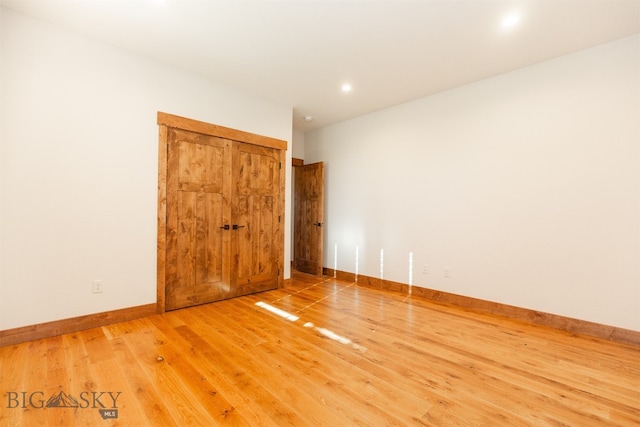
(320, 353)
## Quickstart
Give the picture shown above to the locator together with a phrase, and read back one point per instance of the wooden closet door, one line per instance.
(255, 209)
(210, 179)
(198, 246)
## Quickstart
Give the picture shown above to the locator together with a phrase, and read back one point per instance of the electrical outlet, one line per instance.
(447, 273)
(425, 269)
(98, 286)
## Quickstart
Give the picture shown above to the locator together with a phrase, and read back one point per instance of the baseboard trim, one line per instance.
(567, 324)
(75, 324)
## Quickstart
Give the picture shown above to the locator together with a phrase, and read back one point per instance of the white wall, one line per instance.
(78, 181)
(297, 144)
(526, 186)
(297, 151)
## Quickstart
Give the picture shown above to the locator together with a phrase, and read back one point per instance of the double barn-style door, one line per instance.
(223, 234)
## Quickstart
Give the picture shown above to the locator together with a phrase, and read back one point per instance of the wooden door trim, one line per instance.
(166, 121)
(163, 158)
(178, 122)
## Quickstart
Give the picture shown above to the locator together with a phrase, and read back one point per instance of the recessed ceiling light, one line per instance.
(346, 87)
(510, 20)
(307, 118)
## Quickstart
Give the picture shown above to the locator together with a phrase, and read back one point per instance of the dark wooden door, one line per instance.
(197, 210)
(309, 218)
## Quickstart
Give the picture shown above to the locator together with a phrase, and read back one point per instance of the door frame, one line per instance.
(166, 121)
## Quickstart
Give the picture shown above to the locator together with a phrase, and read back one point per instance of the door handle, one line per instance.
(318, 224)
(225, 227)
(236, 226)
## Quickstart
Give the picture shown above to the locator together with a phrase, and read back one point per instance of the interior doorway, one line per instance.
(308, 218)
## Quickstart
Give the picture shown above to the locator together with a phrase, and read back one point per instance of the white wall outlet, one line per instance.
(425, 269)
(447, 273)
(98, 286)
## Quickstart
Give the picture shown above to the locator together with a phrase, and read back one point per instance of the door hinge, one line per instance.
(278, 218)
(280, 165)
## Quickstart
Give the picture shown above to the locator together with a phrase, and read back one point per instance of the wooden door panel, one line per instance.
(200, 162)
(196, 210)
(264, 244)
(309, 218)
(255, 239)
(257, 172)
(243, 216)
(309, 236)
(185, 246)
(255, 208)
(208, 260)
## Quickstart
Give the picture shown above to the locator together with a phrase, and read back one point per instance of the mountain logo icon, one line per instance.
(62, 400)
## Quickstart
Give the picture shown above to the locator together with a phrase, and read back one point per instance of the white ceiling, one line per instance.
(300, 52)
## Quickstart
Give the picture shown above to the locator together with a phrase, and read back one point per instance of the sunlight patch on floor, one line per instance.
(336, 337)
(279, 312)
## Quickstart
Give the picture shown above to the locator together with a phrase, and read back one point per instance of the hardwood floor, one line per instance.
(320, 353)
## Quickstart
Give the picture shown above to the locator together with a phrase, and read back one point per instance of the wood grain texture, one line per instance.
(281, 217)
(178, 122)
(563, 323)
(64, 326)
(198, 203)
(161, 257)
(221, 212)
(353, 356)
(257, 211)
(308, 207)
